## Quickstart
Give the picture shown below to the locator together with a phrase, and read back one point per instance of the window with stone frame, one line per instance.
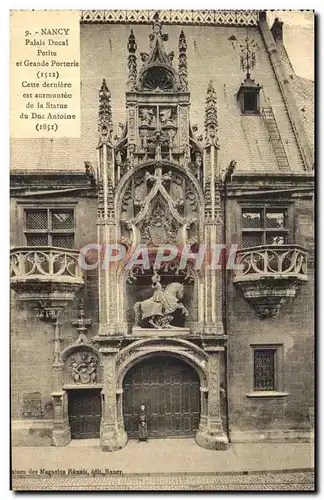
(264, 226)
(50, 227)
(265, 368)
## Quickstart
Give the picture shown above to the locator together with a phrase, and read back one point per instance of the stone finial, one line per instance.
(183, 69)
(157, 30)
(211, 119)
(132, 61)
(277, 31)
(105, 125)
(81, 324)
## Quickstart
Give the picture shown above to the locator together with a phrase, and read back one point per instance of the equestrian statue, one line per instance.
(163, 308)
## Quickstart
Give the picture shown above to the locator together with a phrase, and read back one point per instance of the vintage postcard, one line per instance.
(162, 250)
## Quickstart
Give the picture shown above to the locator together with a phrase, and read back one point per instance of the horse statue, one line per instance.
(160, 310)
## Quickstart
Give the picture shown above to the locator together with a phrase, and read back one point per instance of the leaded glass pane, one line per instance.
(251, 239)
(251, 219)
(264, 369)
(62, 219)
(275, 219)
(37, 240)
(275, 239)
(36, 219)
(63, 240)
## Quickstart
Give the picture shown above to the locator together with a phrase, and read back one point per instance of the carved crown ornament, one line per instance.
(270, 275)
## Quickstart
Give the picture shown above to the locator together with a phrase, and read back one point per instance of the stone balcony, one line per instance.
(270, 275)
(45, 273)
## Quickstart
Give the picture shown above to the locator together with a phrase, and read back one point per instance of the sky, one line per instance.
(298, 38)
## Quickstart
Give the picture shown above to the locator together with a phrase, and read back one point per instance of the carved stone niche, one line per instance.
(270, 275)
(82, 367)
(160, 300)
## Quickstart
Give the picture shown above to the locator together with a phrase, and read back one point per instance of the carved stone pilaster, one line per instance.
(213, 285)
(112, 433)
(61, 432)
(213, 436)
(108, 287)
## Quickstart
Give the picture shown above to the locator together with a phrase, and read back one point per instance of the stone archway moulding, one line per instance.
(77, 347)
(142, 349)
(120, 190)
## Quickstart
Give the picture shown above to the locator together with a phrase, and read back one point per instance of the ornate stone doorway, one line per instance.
(170, 390)
(84, 413)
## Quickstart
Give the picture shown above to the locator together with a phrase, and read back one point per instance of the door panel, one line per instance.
(169, 388)
(84, 413)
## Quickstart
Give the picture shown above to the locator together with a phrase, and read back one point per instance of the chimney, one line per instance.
(276, 30)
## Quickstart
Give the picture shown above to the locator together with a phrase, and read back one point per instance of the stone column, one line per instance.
(112, 437)
(213, 436)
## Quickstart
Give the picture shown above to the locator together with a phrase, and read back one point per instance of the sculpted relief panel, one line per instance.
(82, 367)
(159, 206)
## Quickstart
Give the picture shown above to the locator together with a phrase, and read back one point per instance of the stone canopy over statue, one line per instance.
(163, 309)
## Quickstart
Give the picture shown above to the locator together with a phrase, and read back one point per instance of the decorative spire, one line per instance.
(183, 70)
(157, 71)
(248, 59)
(211, 120)
(81, 324)
(105, 125)
(132, 63)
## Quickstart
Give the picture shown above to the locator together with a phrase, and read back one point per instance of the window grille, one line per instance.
(264, 226)
(264, 370)
(50, 227)
(62, 219)
(36, 219)
(63, 240)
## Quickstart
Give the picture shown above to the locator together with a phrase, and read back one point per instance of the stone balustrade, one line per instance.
(45, 269)
(271, 261)
(269, 275)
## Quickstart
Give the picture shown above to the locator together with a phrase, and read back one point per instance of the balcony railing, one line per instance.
(45, 269)
(270, 274)
(265, 261)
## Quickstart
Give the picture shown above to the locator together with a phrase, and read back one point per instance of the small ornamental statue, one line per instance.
(142, 425)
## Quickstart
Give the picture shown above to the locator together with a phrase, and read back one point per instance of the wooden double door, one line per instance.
(170, 390)
(84, 413)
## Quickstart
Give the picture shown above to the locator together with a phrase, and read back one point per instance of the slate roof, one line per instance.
(211, 56)
(303, 90)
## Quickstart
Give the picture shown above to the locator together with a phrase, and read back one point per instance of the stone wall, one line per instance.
(32, 339)
(272, 417)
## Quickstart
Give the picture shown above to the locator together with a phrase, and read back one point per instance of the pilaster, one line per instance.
(213, 229)
(212, 435)
(61, 430)
(112, 433)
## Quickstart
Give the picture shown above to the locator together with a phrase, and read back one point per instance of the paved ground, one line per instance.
(280, 481)
(173, 464)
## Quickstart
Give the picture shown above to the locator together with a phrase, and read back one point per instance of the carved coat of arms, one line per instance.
(84, 368)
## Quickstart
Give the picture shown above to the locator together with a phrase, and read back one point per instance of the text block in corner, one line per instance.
(45, 74)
